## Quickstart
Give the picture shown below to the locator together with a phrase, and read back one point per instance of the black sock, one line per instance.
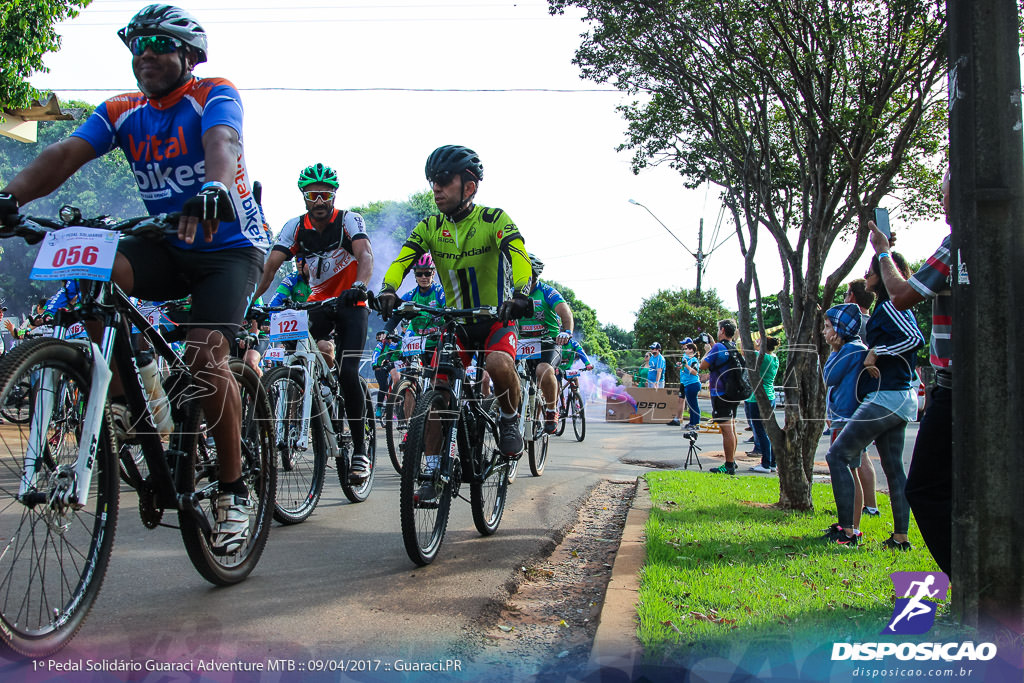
(236, 487)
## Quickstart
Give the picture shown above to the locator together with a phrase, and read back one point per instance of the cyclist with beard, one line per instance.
(337, 252)
(481, 261)
(182, 137)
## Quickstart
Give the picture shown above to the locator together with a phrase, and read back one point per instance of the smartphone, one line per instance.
(882, 221)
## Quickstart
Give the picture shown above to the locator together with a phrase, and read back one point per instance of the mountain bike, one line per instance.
(570, 406)
(413, 380)
(59, 470)
(453, 439)
(309, 414)
(531, 404)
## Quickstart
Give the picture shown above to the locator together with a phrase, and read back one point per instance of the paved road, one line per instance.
(340, 585)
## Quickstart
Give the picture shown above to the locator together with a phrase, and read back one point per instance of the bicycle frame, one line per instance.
(105, 303)
(306, 356)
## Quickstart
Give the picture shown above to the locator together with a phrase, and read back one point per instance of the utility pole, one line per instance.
(987, 215)
(700, 253)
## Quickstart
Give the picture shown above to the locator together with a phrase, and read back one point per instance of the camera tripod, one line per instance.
(694, 449)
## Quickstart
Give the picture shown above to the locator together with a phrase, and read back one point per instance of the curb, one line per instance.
(616, 646)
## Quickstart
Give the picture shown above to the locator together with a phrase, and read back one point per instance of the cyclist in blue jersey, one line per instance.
(182, 137)
(65, 297)
(294, 287)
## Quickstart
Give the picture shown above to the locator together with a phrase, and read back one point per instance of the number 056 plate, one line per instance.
(76, 253)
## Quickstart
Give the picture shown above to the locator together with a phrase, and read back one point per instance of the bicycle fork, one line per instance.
(77, 491)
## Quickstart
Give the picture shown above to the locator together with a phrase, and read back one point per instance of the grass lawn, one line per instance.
(726, 568)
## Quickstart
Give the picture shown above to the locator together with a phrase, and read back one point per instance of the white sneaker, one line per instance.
(761, 468)
(231, 529)
(360, 470)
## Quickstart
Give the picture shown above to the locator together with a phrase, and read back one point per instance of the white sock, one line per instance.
(508, 416)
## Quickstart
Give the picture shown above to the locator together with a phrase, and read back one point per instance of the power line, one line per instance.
(382, 89)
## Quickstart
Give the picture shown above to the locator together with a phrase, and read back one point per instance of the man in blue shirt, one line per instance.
(656, 367)
(722, 412)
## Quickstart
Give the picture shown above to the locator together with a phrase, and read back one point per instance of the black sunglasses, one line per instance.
(425, 273)
(442, 178)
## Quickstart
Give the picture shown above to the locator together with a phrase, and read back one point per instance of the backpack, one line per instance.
(733, 380)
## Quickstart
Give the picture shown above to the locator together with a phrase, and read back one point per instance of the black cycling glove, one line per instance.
(517, 307)
(211, 204)
(8, 208)
(352, 296)
(386, 301)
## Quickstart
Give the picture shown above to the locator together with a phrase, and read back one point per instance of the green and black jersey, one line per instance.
(480, 260)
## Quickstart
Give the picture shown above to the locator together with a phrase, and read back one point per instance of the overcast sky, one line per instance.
(549, 157)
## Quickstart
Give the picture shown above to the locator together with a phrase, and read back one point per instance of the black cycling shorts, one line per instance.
(221, 282)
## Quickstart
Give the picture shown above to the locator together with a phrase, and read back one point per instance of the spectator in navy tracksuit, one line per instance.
(888, 403)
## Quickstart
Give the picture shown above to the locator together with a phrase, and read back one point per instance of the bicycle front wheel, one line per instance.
(17, 406)
(300, 470)
(425, 497)
(399, 409)
(579, 416)
(357, 493)
(537, 447)
(53, 553)
(487, 496)
(258, 473)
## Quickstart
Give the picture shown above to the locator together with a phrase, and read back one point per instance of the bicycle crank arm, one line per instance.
(189, 502)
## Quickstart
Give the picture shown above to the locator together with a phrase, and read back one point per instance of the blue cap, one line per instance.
(845, 318)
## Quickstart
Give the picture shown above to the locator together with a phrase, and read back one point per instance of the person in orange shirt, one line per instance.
(337, 250)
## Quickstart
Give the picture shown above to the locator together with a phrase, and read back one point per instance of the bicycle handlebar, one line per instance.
(409, 309)
(33, 228)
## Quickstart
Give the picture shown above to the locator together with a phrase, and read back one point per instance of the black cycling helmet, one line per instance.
(454, 158)
(167, 20)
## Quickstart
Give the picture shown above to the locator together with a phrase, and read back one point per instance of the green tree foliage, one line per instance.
(806, 115)
(587, 329)
(26, 35)
(669, 316)
(104, 186)
(396, 219)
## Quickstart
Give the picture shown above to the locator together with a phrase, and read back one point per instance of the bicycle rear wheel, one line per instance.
(300, 471)
(258, 473)
(53, 554)
(396, 420)
(562, 409)
(537, 447)
(357, 493)
(579, 416)
(424, 522)
(488, 495)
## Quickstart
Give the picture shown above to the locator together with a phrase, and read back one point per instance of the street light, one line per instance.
(699, 254)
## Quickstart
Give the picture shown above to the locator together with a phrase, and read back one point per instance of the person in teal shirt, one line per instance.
(656, 367)
(769, 369)
(689, 385)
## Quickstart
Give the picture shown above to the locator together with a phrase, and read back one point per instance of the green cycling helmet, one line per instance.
(318, 173)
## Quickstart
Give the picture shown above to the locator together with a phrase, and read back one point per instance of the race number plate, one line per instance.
(412, 346)
(528, 348)
(76, 253)
(286, 325)
(76, 331)
(274, 355)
